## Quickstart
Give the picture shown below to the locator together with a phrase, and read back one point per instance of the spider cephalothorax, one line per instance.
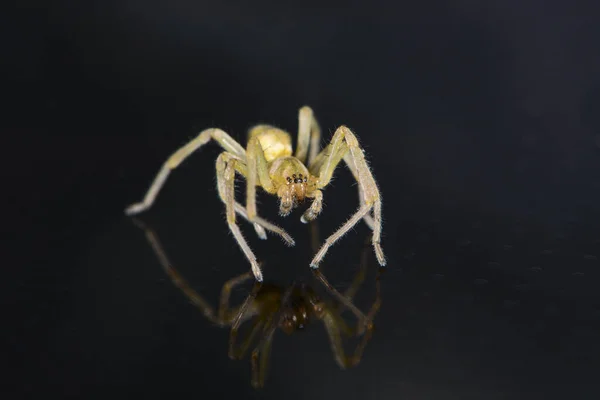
(268, 162)
(298, 188)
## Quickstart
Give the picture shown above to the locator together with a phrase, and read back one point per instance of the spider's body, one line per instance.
(292, 182)
(270, 163)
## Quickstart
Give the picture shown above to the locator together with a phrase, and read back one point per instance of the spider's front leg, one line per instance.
(344, 145)
(226, 166)
(258, 174)
(179, 156)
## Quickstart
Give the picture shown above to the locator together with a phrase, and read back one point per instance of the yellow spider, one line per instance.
(268, 162)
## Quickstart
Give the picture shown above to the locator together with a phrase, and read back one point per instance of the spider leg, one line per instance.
(345, 145)
(231, 146)
(258, 173)
(221, 137)
(368, 218)
(225, 182)
(259, 223)
(333, 154)
(309, 132)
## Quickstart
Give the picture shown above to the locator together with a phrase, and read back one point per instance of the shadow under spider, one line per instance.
(290, 309)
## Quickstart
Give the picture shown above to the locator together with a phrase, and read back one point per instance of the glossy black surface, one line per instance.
(480, 122)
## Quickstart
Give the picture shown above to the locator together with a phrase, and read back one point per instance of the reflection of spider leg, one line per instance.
(226, 314)
(344, 145)
(333, 328)
(358, 279)
(362, 319)
(238, 354)
(240, 316)
(260, 358)
(333, 331)
(176, 278)
(377, 304)
(263, 348)
(309, 132)
(345, 300)
(221, 137)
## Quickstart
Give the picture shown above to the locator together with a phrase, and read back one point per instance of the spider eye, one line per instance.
(289, 180)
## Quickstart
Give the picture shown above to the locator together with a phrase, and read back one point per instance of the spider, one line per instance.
(270, 307)
(268, 162)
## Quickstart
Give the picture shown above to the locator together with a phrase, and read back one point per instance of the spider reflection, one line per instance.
(290, 309)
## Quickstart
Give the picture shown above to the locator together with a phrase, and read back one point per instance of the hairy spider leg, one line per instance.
(231, 146)
(258, 171)
(226, 166)
(197, 300)
(336, 155)
(344, 145)
(309, 135)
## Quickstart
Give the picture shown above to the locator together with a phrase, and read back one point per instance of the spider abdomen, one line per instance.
(275, 143)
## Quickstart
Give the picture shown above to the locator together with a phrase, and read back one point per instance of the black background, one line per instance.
(479, 119)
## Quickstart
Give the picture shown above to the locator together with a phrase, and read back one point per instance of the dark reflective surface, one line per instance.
(480, 125)
(269, 307)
